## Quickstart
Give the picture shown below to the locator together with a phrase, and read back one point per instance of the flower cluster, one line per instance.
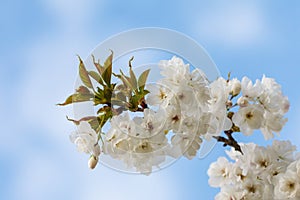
(185, 97)
(271, 172)
(139, 142)
(260, 106)
(178, 109)
(86, 140)
(249, 107)
(146, 123)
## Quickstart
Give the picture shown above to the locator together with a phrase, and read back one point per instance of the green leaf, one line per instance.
(100, 97)
(142, 79)
(121, 96)
(106, 114)
(134, 103)
(76, 98)
(77, 122)
(107, 94)
(118, 102)
(133, 79)
(126, 81)
(96, 77)
(69, 100)
(95, 124)
(103, 110)
(145, 92)
(82, 94)
(97, 65)
(83, 90)
(84, 76)
(106, 75)
(108, 61)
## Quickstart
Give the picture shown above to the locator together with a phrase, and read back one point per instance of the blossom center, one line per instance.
(249, 115)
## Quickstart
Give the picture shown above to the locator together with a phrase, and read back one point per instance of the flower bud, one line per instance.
(235, 87)
(93, 162)
(286, 105)
(229, 104)
(242, 102)
(96, 150)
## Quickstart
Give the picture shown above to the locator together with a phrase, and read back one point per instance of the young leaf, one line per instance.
(132, 76)
(134, 103)
(97, 65)
(95, 124)
(83, 90)
(121, 95)
(69, 100)
(82, 94)
(126, 80)
(106, 75)
(108, 61)
(118, 102)
(100, 97)
(142, 79)
(107, 93)
(103, 110)
(77, 122)
(96, 77)
(92, 120)
(76, 98)
(84, 76)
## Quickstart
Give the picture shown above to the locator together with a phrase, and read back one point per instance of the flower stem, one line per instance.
(229, 141)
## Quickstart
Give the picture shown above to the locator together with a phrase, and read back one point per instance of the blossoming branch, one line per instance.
(146, 123)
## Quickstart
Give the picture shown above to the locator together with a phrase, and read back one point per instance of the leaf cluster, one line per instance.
(113, 99)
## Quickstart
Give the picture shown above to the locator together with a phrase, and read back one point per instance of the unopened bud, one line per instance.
(96, 150)
(286, 105)
(242, 102)
(235, 88)
(93, 162)
(229, 104)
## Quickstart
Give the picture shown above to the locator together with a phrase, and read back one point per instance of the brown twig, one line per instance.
(229, 141)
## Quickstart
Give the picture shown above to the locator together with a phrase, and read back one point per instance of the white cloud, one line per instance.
(233, 24)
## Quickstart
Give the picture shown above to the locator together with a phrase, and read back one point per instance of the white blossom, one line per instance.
(86, 139)
(143, 148)
(253, 189)
(186, 144)
(284, 150)
(174, 70)
(287, 186)
(229, 192)
(219, 91)
(159, 95)
(271, 172)
(250, 90)
(268, 94)
(219, 172)
(249, 118)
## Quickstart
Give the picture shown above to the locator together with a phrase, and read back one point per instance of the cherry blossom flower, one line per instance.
(249, 118)
(86, 139)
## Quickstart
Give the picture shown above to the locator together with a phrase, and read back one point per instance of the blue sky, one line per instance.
(38, 44)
